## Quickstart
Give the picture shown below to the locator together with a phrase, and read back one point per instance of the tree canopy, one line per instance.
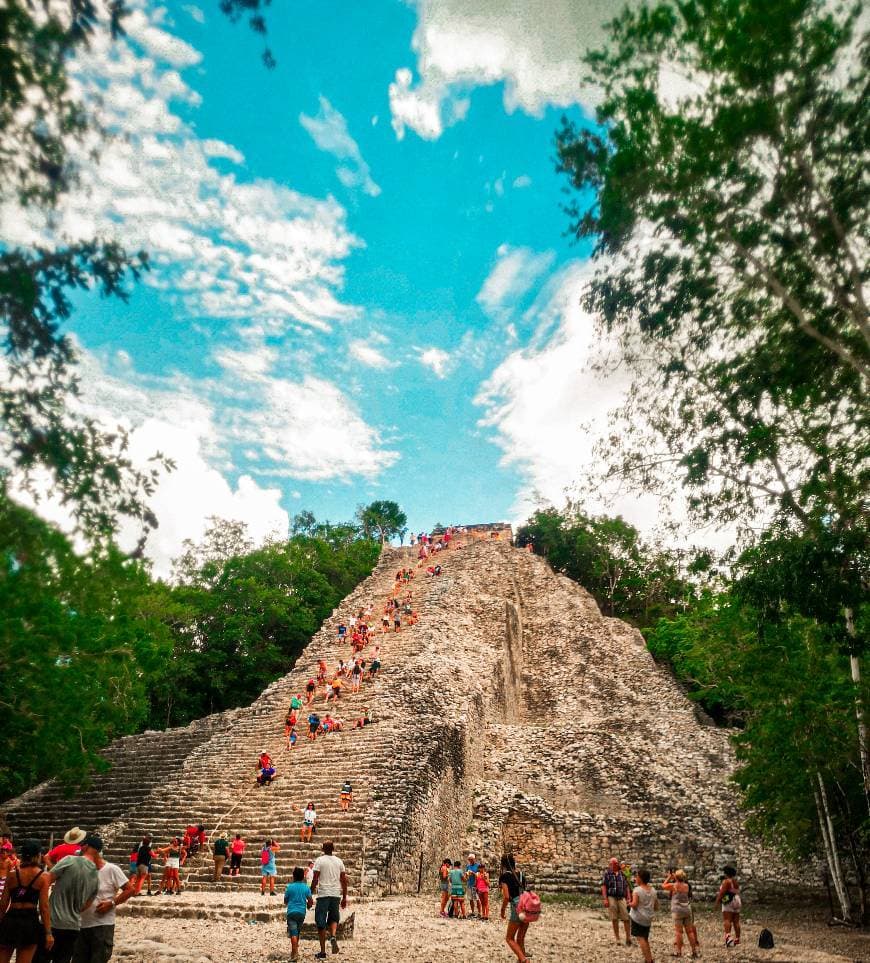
(383, 518)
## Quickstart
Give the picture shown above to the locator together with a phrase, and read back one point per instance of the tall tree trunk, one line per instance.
(855, 663)
(829, 841)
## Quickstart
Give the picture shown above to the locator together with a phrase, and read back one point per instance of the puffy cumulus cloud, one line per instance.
(439, 362)
(516, 269)
(546, 409)
(329, 131)
(224, 248)
(176, 418)
(522, 181)
(533, 48)
(309, 430)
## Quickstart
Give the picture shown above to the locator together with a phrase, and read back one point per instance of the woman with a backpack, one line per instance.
(513, 887)
(268, 869)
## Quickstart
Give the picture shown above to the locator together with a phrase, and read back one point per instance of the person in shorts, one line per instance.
(444, 884)
(345, 797)
(471, 868)
(512, 883)
(27, 918)
(644, 904)
(616, 892)
(457, 890)
(676, 885)
(330, 886)
(728, 898)
(297, 899)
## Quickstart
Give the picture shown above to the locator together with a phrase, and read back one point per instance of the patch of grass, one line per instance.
(585, 900)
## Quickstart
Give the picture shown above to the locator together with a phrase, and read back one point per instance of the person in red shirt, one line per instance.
(71, 846)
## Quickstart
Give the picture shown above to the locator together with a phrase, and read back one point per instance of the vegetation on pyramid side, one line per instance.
(724, 188)
(99, 649)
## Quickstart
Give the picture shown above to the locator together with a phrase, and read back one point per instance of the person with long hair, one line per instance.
(728, 898)
(676, 884)
(24, 909)
(512, 884)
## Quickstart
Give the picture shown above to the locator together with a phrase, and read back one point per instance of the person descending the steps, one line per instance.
(330, 887)
(292, 738)
(309, 823)
(310, 689)
(237, 850)
(296, 703)
(268, 868)
(220, 847)
(345, 797)
(290, 721)
(298, 900)
(265, 769)
(24, 910)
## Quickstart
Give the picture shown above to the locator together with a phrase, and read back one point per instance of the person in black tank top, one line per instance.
(24, 912)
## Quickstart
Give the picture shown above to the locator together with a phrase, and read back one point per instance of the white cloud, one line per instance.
(217, 148)
(363, 352)
(533, 48)
(160, 44)
(223, 247)
(546, 411)
(522, 181)
(328, 129)
(195, 12)
(516, 269)
(437, 360)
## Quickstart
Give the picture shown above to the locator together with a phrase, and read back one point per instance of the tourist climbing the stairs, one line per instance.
(290, 721)
(309, 823)
(298, 900)
(313, 725)
(268, 867)
(345, 797)
(292, 739)
(220, 847)
(237, 851)
(310, 689)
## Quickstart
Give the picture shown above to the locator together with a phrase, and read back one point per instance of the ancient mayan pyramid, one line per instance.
(512, 715)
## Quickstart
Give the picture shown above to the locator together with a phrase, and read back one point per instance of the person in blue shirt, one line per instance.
(471, 868)
(297, 899)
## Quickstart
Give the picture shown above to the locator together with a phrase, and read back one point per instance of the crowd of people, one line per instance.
(631, 900)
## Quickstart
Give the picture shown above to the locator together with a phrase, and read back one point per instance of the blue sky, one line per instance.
(361, 283)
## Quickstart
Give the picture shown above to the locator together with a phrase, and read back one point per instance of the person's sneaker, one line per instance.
(320, 956)
(729, 941)
(334, 943)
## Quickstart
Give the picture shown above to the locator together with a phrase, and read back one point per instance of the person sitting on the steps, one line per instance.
(266, 769)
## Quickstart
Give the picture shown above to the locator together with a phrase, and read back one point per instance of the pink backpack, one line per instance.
(529, 907)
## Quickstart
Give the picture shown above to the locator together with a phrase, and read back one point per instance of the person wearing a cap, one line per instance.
(75, 883)
(71, 846)
(471, 868)
(96, 937)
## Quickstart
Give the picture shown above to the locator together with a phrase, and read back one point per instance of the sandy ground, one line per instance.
(408, 928)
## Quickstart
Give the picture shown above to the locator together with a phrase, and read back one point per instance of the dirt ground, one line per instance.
(409, 929)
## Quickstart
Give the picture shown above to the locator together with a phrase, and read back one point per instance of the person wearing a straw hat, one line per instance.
(71, 846)
(75, 882)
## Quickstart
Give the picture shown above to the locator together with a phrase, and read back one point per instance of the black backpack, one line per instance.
(765, 940)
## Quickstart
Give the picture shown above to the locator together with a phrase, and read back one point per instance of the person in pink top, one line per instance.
(237, 849)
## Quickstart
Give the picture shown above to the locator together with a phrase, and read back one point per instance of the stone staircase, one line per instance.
(512, 715)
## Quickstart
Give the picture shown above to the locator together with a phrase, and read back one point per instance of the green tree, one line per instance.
(383, 518)
(730, 217)
(78, 643)
(629, 577)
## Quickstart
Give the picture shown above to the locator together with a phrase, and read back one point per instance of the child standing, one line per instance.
(482, 884)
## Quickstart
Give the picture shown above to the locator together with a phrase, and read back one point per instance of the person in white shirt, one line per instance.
(330, 887)
(96, 938)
